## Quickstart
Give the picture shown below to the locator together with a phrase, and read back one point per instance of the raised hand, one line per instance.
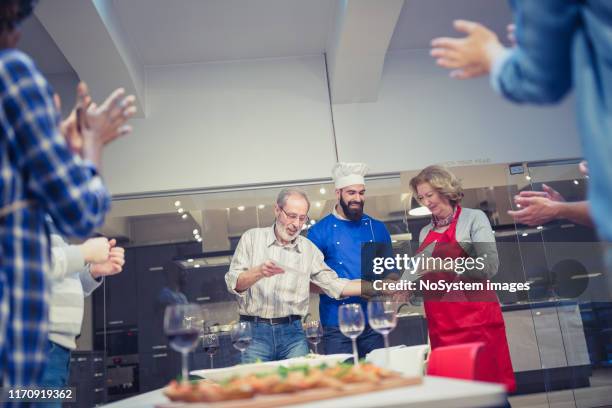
(548, 192)
(113, 265)
(108, 121)
(95, 250)
(470, 56)
(535, 209)
(90, 127)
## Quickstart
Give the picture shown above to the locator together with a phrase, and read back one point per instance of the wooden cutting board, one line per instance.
(281, 400)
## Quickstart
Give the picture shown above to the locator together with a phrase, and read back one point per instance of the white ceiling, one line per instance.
(184, 31)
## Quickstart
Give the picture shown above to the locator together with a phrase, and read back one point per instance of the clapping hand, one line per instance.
(537, 207)
(112, 265)
(470, 56)
(90, 127)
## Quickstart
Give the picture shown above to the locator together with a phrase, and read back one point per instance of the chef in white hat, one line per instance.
(340, 236)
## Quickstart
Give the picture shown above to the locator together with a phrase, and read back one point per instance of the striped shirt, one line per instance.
(71, 281)
(38, 175)
(287, 293)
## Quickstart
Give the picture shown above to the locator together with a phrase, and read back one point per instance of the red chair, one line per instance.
(460, 361)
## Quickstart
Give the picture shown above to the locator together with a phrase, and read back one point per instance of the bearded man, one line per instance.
(270, 274)
(341, 236)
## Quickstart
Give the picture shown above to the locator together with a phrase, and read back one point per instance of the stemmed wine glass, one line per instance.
(182, 325)
(242, 337)
(314, 332)
(382, 315)
(210, 342)
(352, 324)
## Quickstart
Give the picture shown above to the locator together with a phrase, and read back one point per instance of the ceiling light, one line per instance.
(197, 236)
(525, 234)
(419, 211)
(190, 260)
(576, 182)
(313, 222)
(180, 210)
(184, 216)
(240, 208)
(177, 203)
(318, 204)
(393, 241)
(196, 265)
(199, 239)
(322, 190)
(540, 227)
(261, 206)
(196, 232)
(528, 178)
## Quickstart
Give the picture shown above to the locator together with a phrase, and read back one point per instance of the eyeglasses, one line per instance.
(293, 217)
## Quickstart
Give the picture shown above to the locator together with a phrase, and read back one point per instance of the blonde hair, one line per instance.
(442, 180)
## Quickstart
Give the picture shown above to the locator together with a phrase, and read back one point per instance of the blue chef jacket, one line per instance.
(341, 242)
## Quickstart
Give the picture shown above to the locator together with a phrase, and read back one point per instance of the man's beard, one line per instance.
(284, 234)
(352, 213)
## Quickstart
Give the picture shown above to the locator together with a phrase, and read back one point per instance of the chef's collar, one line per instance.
(271, 240)
(336, 214)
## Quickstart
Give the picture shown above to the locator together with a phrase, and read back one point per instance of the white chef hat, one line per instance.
(348, 174)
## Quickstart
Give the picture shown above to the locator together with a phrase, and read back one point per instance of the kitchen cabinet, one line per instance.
(155, 272)
(114, 302)
(207, 285)
(157, 369)
(88, 377)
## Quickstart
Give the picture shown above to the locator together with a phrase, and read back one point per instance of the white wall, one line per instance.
(262, 121)
(423, 117)
(230, 123)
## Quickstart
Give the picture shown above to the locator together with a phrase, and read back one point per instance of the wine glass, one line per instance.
(182, 325)
(314, 332)
(210, 342)
(382, 315)
(242, 337)
(352, 323)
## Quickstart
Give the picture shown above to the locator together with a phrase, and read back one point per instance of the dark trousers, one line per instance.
(334, 342)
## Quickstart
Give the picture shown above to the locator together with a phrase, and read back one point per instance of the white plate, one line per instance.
(220, 374)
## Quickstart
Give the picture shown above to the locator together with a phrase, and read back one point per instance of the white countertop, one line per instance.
(434, 392)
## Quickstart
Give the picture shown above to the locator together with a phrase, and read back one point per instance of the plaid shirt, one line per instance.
(38, 176)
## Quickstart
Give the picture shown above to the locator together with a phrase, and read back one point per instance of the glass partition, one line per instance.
(571, 321)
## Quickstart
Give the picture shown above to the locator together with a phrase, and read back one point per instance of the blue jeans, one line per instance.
(276, 342)
(335, 342)
(56, 373)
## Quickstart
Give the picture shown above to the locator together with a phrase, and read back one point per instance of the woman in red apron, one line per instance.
(461, 316)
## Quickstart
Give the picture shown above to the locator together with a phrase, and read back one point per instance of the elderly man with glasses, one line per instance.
(270, 274)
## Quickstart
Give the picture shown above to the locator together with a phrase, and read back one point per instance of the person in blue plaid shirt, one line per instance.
(39, 175)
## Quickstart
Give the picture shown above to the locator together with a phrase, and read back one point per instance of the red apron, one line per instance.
(466, 316)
